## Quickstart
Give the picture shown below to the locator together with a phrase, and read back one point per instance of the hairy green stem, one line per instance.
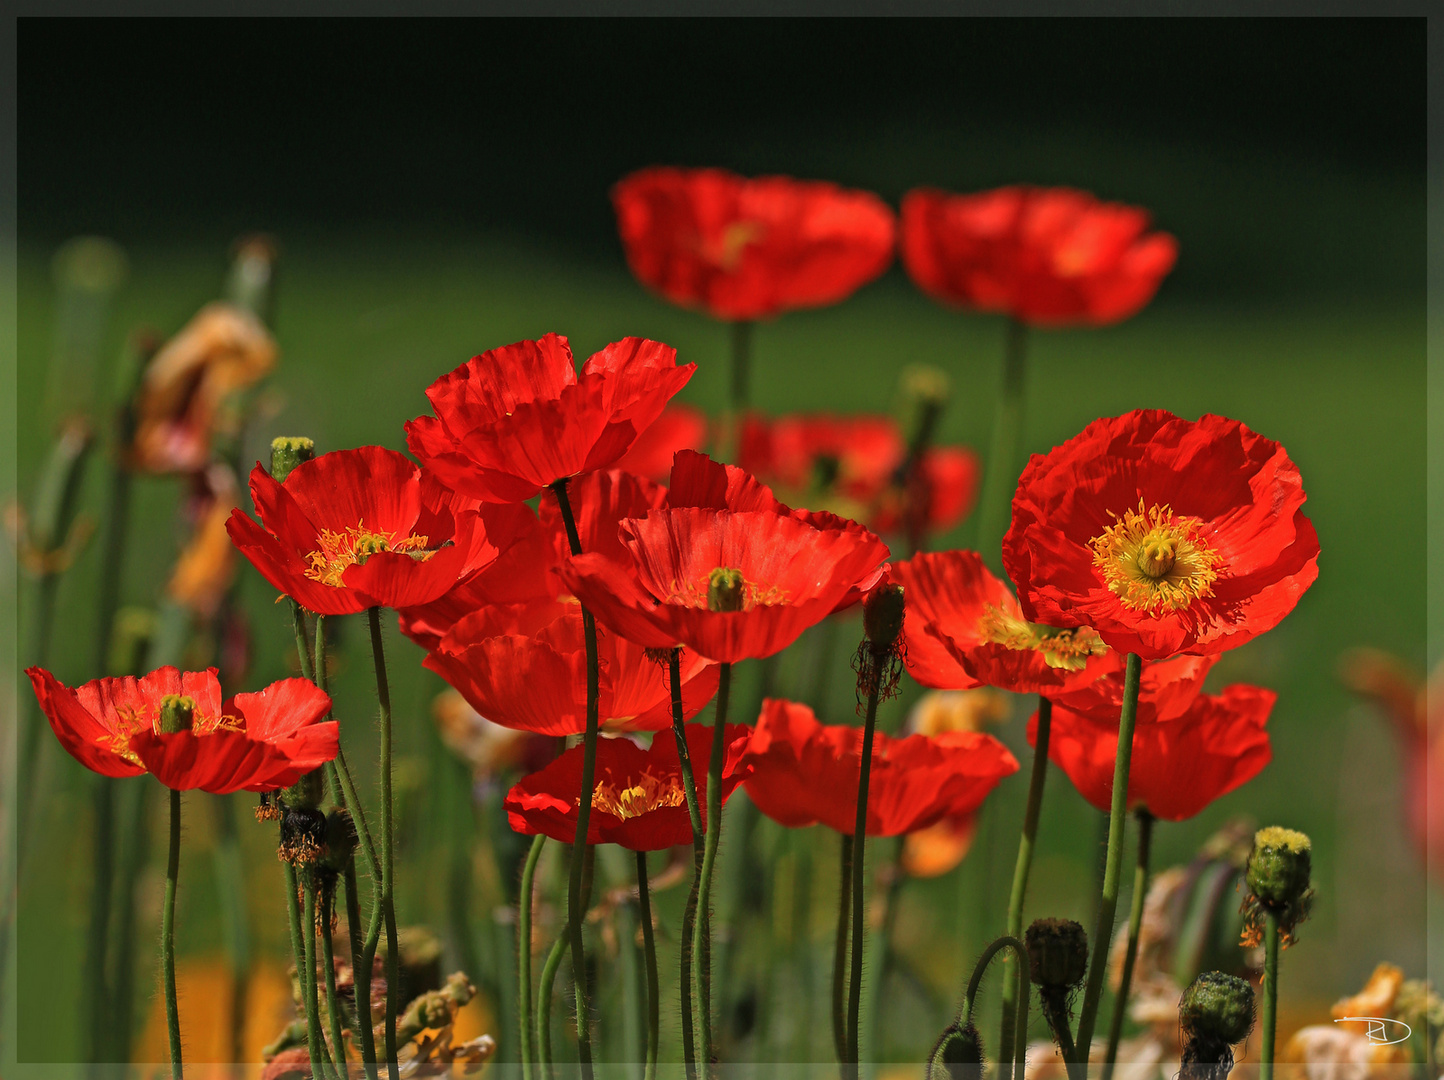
(1268, 1019)
(1108, 900)
(649, 953)
(839, 952)
(167, 937)
(308, 982)
(702, 931)
(358, 957)
(1019, 1047)
(523, 953)
(859, 863)
(388, 843)
(1130, 955)
(694, 812)
(1019, 893)
(544, 1006)
(328, 968)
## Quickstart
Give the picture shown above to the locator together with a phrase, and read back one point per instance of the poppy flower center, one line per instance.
(1067, 650)
(647, 794)
(352, 547)
(725, 590)
(1154, 561)
(169, 714)
(725, 251)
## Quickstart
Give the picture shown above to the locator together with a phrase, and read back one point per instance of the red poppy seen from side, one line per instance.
(1164, 535)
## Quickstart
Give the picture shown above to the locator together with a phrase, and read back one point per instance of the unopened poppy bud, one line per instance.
(882, 616)
(958, 1055)
(306, 793)
(287, 452)
(1057, 954)
(1279, 867)
(725, 590)
(177, 713)
(925, 384)
(1218, 1008)
(341, 838)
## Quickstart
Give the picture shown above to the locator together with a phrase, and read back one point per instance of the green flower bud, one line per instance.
(882, 616)
(287, 452)
(1057, 954)
(725, 590)
(177, 713)
(958, 1055)
(1279, 867)
(1218, 1008)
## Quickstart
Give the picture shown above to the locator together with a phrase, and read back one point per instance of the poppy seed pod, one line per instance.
(725, 590)
(882, 616)
(341, 838)
(958, 1055)
(306, 793)
(177, 713)
(1279, 867)
(287, 452)
(1218, 1008)
(1057, 954)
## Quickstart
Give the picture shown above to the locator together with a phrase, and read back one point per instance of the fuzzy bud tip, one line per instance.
(725, 590)
(882, 616)
(288, 451)
(1279, 866)
(1057, 953)
(1218, 1007)
(177, 713)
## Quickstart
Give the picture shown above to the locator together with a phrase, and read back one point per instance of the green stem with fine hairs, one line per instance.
(328, 967)
(1026, 841)
(167, 937)
(523, 953)
(970, 995)
(309, 999)
(649, 953)
(388, 844)
(694, 812)
(1135, 925)
(1117, 818)
(859, 861)
(702, 931)
(358, 957)
(839, 953)
(1268, 1018)
(1002, 462)
(576, 904)
(544, 1006)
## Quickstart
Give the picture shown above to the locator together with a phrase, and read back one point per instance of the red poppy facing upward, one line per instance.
(748, 249)
(805, 773)
(362, 528)
(517, 419)
(639, 802)
(1048, 256)
(964, 629)
(1179, 766)
(1164, 535)
(253, 742)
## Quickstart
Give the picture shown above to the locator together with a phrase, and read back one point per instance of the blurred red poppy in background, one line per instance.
(1046, 256)
(1164, 535)
(253, 742)
(638, 803)
(518, 418)
(680, 427)
(743, 248)
(355, 529)
(964, 629)
(1179, 766)
(805, 772)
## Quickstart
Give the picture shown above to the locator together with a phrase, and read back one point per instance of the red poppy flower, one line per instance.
(1164, 535)
(1048, 256)
(769, 573)
(964, 629)
(805, 773)
(747, 249)
(1179, 766)
(253, 742)
(360, 528)
(516, 419)
(639, 802)
(850, 464)
(1166, 691)
(680, 427)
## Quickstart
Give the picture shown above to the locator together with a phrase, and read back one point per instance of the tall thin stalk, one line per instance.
(545, 993)
(702, 931)
(859, 861)
(694, 812)
(649, 952)
(1019, 893)
(327, 899)
(839, 953)
(1112, 870)
(388, 843)
(1269, 1013)
(1130, 955)
(167, 937)
(523, 953)
(309, 1001)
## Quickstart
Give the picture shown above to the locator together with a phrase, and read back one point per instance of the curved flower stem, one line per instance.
(167, 937)
(358, 956)
(544, 1007)
(1269, 1014)
(1135, 923)
(388, 843)
(694, 811)
(839, 953)
(523, 953)
(303, 642)
(576, 909)
(702, 932)
(649, 952)
(859, 861)
(1003, 451)
(970, 996)
(328, 966)
(1020, 876)
(1108, 901)
(314, 1043)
